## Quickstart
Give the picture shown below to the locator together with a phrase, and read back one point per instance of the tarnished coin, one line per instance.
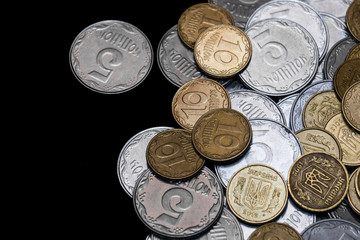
(348, 138)
(275, 230)
(197, 18)
(347, 74)
(285, 105)
(111, 56)
(318, 181)
(320, 108)
(336, 8)
(353, 19)
(354, 52)
(357, 182)
(171, 155)
(195, 98)
(353, 197)
(332, 229)
(257, 194)
(222, 51)
(180, 209)
(319, 140)
(222, 134)
(350, 105)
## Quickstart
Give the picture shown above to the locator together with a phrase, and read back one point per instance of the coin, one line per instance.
(111, 56)
(347, 74)
(171, 155)
(332, 229)
(336, 28)
(179, 209)
(257, 194)
(275, 231)
(345, 212)
(222, 51)
(195, 98)
(353, 197)
(318, 181)
(354, 52)
(320, 108)
(285, 105)
(336, 8)
(357, 182)
(350, 105)
(319, 140)
(353, 19)
(194, 20)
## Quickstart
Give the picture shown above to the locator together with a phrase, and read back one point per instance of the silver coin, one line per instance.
(285, 105)
(287, 54)
(111, 56)
(132, 158)
(337, 55)
(296, 122)
(336, 28)
(344, 211)
(179, 209)
(332, 229)
(255, 105)
(234, 85)
(336, 8)
(298, 12)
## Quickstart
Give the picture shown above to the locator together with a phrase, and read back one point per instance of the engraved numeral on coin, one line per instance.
(107, 60)
(227, 140)
(196, 101)
(226, 57)
(207, 22)
(136, 169)
(294, 219)
(170, 154)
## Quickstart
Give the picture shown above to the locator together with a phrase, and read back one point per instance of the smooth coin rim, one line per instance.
(348, 21)
(257, 231)
(343, 102)
(351, 203)
(338, 79)
(357, 183)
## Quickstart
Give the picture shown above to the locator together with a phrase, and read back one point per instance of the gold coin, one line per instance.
(171, 155)
(348, 138)
(222, 134)
(222, 51)
(275, 231)
(319, 140)
(257, 194)
(320, 108)
(346, 75)
(195, 98)
(353, 197)
(350, 106)
(317, 181)
(354, 52)
(194, 20)
(357, 182)
(353, 19)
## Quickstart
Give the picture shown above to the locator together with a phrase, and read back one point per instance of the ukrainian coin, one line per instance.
(197, 18)
(350, 105)
(318, 181)
(275, 231)
(336, 8)
(257, 194)
(234, 85)
(222, 51)
(345, 212)
(180, 209)
(285, 105)
(353, 19)
(357, 182)
(111, 57)
(320, 108)
(222, 134)
(195, 98)
(299, 12)
(346, 75)
(287, 54)
(353, 197)
(354, 52)
(297, 109)
(332, 229)
(336, 28)
(132, 158)
(171, 155)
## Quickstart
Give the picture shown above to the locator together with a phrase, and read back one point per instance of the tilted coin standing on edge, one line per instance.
(350, 105)
(353, 197)
(318, 181)
(354, 52)
(346, 75)
(353, 19)
(111, 56)
(275, 231)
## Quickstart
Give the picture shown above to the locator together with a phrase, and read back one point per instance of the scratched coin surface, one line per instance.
(257, 194)
(179, 209)
(171, 155)
(354, 52)
(222, 51)
(350, 106)
(287, 54)
(111, 56)
(195, 98)
(332, 229)
(318, 181)
(353, 197)
(197, 18)
(279, 231)
(347, 74)
(353, 19)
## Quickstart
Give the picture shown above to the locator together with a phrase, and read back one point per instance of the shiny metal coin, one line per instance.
(336, 28)
(336, 8)
(285, 105)
(332, 229)
(234, 85)
(345, 212)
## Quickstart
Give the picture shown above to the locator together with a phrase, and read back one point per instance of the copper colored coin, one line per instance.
(222, 134)
(346, 75)
(354, 52)
(357, 181)
(353, 19)
(222, 51)
(351, 106)
(195, 98)
(276, 231)
(318, 181)
(171, 155)
(353, 197)
(194, 20)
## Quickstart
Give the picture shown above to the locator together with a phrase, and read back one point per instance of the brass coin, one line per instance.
(171, 155)
(317, 181)
(222, 51)
(357, 182)
(348, 138)
(257, 194)
(276, 231)
(320, 108)
(353, 197)
(354, 52)
(222, 134)
(346, 75)
(353, 19)
(319, 140)
(350, 106)
(195, 98)
(194, 20)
